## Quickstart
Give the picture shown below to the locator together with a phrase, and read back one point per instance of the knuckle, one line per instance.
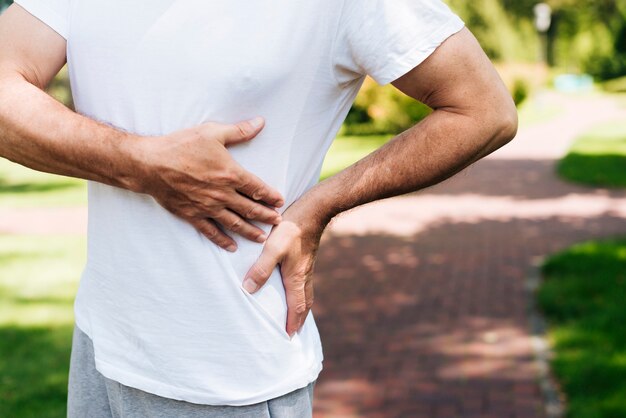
(257, 193)
(236, 224)
(243, 182)
(187, 212)
(211, 233)
(252, 213)
(260, 271)
(299, 279)
(241, 129)
(217, 195)
(225, 177)
(301, 308)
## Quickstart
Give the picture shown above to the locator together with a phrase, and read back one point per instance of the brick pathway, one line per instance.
(421, 300)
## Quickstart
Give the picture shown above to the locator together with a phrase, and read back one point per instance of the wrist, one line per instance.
(134, 169)
(312, 211)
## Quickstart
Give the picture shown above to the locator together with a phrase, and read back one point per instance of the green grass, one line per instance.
(533, 112)
(598, 158)
(23, 187)
(347, 150)
(584, 299)
(38, 279)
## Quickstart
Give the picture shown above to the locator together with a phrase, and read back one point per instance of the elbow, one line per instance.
(503, 123)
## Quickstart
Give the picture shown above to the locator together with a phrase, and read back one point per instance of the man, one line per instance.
(201, 127)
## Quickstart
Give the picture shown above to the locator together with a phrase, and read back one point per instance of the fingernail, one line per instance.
(280, 203)
(291, 335)
(250, 285)
(262, 238)
(231, 248)
(256, 122)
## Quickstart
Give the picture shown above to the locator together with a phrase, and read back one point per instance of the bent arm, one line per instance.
(473, 116)
(36, 130)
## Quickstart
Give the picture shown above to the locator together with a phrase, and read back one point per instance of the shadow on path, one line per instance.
(522, 179)
(436, 324)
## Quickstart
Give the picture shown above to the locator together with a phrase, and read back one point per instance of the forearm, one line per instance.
(436, 148)
(39, 132)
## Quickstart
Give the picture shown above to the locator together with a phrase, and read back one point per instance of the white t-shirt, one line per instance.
(164, 306)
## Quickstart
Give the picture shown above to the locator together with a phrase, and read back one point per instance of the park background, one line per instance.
(499, 293)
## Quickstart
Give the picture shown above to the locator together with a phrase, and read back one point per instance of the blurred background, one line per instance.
(498, 293)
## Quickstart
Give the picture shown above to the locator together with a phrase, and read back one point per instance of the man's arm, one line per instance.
(473, 116)
(202, 185)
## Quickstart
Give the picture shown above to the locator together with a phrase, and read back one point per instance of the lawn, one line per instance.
(583, 297)
(584, 291)
(23, 187)
(598, 158)
(347, 150)
(38, 279)
(536, 110)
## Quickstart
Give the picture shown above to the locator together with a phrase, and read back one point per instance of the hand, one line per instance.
(292, 245)
(191, 174)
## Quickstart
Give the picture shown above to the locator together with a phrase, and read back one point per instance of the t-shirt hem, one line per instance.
(133, 380)
(415, 56)
(47, 15)
(173, 392)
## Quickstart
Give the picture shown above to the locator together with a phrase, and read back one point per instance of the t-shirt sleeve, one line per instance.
(386, 38)
(54, 13)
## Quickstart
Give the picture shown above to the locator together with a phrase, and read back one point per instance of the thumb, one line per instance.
(261, 271)
(242, 131)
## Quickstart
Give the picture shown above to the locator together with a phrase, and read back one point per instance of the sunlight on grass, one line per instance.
(38, 280)
(347, 150)
(598, 158)
(23, 187)
(583, 299)
(536, 110)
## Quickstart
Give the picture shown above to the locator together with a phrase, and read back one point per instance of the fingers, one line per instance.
(208, 228)
(250, 185)
(254, 211)
(261, 271)
(299, 294)
(254, 187)
(235, 223)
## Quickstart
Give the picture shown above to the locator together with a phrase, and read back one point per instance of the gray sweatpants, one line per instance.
(91, 395)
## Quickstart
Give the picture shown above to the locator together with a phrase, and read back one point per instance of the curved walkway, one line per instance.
(422, 300)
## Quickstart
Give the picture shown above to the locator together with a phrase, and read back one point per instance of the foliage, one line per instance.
(382, 109)
(583, 299)
(520, 91)
(598, 158)
(504, 29)
(586, 35)
(617, 85)
(590, 34)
